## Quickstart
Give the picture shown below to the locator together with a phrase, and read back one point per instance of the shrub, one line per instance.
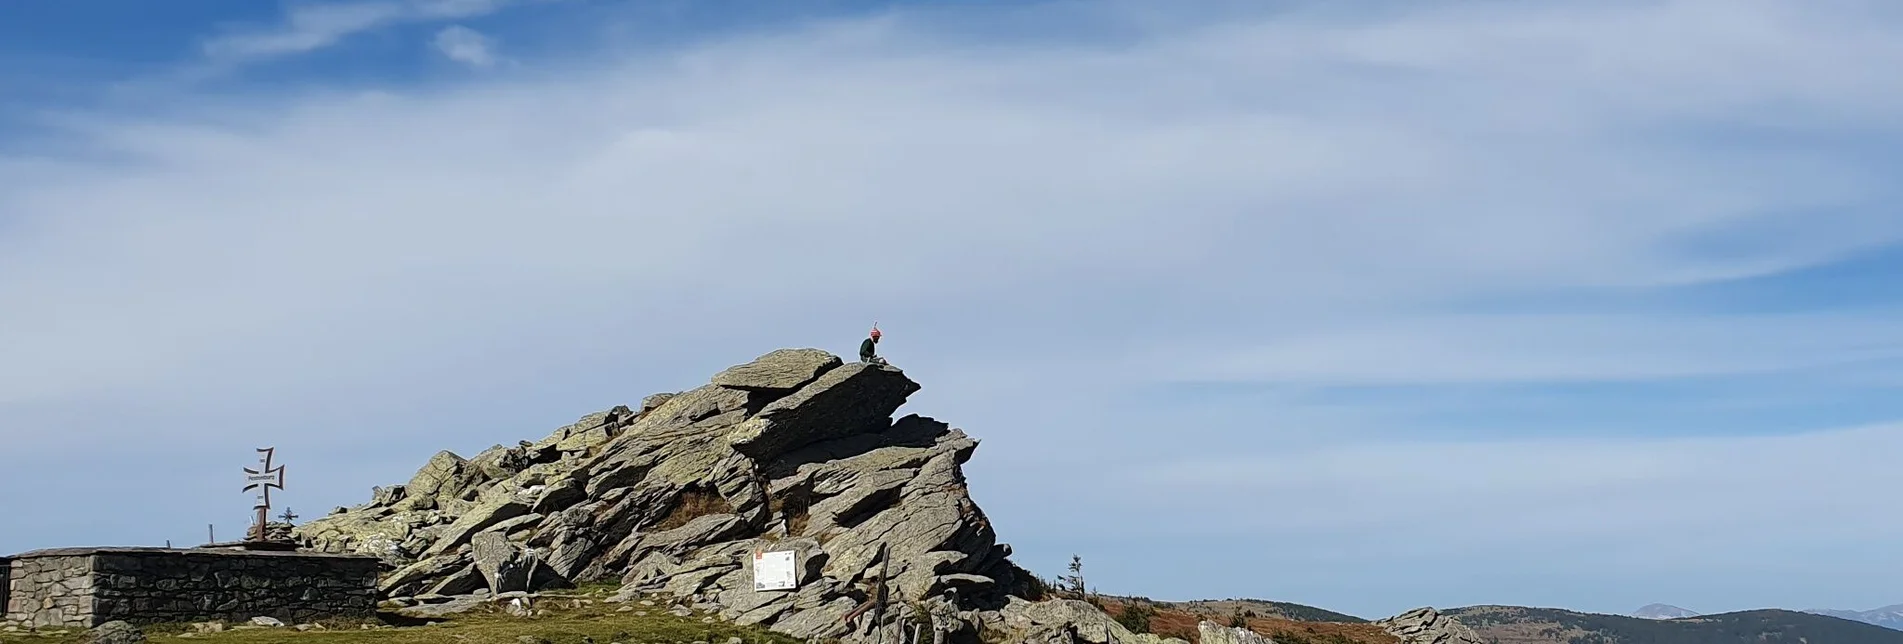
(1136, 617)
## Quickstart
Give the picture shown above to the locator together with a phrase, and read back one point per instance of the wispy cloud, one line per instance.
(310, 26)
(1297, 198)
(465, 45)
(1582, 490)
(1521, 348)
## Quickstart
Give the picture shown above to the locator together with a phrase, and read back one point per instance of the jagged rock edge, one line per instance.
(610, 496)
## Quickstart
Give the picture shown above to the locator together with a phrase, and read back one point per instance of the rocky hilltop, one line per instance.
(796, 450)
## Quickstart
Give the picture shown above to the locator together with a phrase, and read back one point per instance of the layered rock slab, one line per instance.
(1427, 626)
(783, 371)
(796, 450)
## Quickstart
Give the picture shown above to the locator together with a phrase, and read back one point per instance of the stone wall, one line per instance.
(50, 590)
(87, 587)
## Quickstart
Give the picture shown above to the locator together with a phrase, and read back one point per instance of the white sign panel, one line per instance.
(774, 571)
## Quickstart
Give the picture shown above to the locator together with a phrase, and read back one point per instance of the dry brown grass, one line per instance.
(1182, 624)
(693, 504)
(793, 507)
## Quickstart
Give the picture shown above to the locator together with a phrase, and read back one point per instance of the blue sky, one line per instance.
(1570, 304)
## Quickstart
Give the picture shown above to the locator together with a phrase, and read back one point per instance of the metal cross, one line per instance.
(263, 479)
(288, 516)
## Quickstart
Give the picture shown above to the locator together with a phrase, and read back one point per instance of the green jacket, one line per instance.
(867, 349)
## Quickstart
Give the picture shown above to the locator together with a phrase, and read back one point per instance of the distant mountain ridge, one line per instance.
(1887, 616)
(1263, 607)
(1662, 611)
(1522, 625)
(1890, 617)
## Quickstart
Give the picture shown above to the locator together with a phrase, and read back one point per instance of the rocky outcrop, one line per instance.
(1427, 626)
(1213, 633)
(851, 400)
(1063, 622)
(795, 451)
(781, 371)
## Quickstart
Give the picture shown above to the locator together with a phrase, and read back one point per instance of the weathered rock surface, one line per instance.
(114, 633)
(1428, 626)
(784, 370)
(454, 606)
(1064, 622)
(854, 399)
(796, 450)
(504, 566)
(1213, 633)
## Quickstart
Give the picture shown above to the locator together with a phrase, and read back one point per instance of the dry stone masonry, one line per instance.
(49, 588)
(86, 587)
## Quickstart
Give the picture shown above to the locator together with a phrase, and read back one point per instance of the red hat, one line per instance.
(875, 331)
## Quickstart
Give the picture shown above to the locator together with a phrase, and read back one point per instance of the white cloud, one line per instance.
(311, 26)
(413, 267)
(1555, 348)
(1557, 490)
(1313, 201)
(465, 45)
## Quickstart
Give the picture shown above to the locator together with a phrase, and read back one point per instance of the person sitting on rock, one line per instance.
(868, 352)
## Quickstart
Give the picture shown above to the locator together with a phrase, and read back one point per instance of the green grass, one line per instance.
(562, 624)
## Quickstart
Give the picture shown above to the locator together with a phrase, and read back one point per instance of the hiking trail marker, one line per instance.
(263, 480)
(775, 571)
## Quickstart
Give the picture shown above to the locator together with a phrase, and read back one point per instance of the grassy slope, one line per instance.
(1180, 620)
(1265, 608)
(564, 623)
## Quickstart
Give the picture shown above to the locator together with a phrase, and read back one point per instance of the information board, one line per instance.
(775, 571)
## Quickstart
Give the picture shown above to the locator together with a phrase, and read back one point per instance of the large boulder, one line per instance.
(480, 517)
(853, 399)
(1065, 621)
(504, 565)
(796, 450)
(1213, 633)
(444, 478)
(426, 573)
(781, 371)
(114, 632)
(654, 401)
(1427, 626)
(583, 435)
